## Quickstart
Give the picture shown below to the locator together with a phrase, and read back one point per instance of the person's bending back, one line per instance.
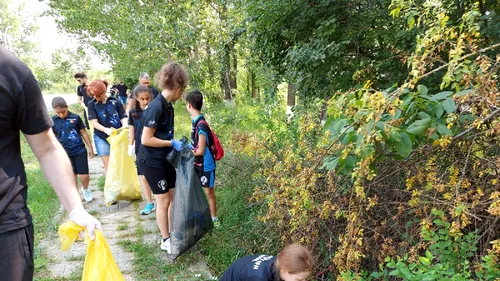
(293, 263)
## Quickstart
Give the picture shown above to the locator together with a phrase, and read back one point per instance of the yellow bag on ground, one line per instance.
(99, 262)
(122, 182)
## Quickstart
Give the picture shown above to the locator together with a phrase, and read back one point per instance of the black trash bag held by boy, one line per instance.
(191, 218)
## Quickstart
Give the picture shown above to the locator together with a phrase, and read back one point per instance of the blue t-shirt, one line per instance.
(208, 159)
(138, 126)
(252, 268)
(107, 114)
(67, 131)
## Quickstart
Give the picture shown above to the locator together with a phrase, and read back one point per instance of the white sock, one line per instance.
(214, 218)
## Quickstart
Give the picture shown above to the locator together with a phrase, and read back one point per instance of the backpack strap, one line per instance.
(210, 138)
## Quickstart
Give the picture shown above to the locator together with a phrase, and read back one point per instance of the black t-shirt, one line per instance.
(21, 109)
(252, 268)
(153, 90)
(122, 90)
(138, 126)
(67, 131)
(107, 114)
(160, 116)
(81, 91)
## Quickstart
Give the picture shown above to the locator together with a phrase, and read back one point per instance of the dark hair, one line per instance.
(295, 259)
(80, 75)
(139, 89)
(59, 102)
(195, 98)
(172, 76)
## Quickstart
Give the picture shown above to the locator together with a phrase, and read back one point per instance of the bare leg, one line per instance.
(147, 189)
(162, 213)
(76, 181)
(171, 194)
(105, 161)
(211, 201)
(85, 180)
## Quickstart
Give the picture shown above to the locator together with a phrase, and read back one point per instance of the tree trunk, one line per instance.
(324, 108)
(290, 99)
(211, 71)
(225, 73)
(254, 89)
(234, 69)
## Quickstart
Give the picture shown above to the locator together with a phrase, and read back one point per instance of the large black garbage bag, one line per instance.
(173, 156)
(191, 218)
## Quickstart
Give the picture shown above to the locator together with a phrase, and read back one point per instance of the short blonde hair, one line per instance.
(295, 259)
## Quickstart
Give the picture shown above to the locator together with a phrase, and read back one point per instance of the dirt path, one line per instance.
(120, 222)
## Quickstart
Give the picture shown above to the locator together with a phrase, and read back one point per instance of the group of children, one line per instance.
(151, 138)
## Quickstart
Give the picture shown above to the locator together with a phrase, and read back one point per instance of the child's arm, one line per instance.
(202, 144)
(87, 141)
(131, 134)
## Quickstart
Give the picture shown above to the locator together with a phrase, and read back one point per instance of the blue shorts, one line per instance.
(102, 146)
(123, 100)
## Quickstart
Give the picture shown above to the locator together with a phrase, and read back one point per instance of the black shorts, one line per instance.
(139, 171)
(16, 260)
(159, 179)
(207, 178)
(80, 164)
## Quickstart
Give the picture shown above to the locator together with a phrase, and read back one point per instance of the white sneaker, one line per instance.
(165, 246)
(87, 195)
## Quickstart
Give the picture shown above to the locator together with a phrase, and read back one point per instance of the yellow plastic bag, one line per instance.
(99, 262)
(122, 182)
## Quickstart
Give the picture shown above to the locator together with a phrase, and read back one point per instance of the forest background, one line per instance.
(386, 163)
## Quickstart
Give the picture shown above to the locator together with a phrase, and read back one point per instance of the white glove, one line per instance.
(79, 216)
(108, 131)
(131, 150)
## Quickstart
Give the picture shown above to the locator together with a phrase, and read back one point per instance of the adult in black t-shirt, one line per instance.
(122, 92)
(81, 92)
(294, 263)
(143, 80)
(22, 109)
(157, 140)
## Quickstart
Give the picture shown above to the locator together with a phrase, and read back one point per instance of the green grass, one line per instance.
(240, 233)
(42, 202)
(182, 121)
(77, 109)
(101, 182)
(123, 226)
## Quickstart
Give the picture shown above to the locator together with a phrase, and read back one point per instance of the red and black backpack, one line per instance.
(215, 147)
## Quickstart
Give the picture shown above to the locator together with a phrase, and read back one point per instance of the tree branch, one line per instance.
(493, 114)
(460, 59)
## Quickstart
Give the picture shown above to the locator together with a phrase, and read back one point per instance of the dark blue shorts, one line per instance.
(80, 163)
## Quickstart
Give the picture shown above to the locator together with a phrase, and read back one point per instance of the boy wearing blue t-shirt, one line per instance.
(200, 142)
(69, 130)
